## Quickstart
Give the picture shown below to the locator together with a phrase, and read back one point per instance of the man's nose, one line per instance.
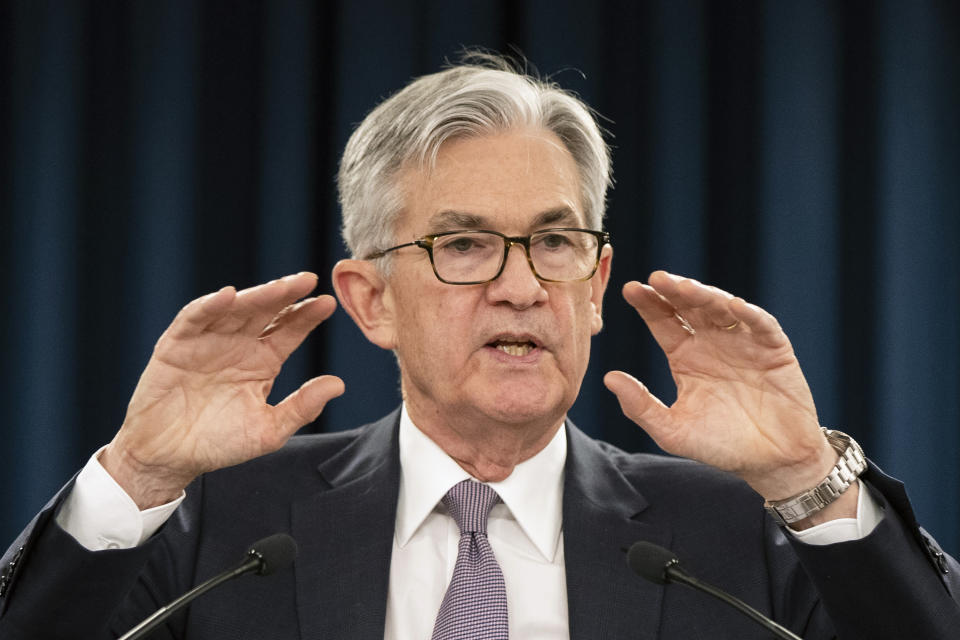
(517, 284)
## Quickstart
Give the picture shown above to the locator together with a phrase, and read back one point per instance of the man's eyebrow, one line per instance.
(561, 215)
(450, 220)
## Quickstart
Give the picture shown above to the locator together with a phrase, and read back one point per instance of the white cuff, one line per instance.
(869, 515)
(100, 515)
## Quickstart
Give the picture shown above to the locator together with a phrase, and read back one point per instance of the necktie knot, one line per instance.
(469, 504)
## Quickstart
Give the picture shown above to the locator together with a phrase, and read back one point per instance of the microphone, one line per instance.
(661, 566)
(263, 558)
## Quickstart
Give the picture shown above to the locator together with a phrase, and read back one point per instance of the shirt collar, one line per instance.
(533, 492)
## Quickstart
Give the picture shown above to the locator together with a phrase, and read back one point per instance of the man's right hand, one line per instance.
(201, 404)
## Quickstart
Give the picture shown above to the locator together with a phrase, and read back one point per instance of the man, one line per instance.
(472, 204)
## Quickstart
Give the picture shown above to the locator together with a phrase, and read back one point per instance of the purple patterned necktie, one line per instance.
(475, 605)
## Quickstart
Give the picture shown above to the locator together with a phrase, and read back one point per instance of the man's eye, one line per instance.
(554, 241)
(461, 244)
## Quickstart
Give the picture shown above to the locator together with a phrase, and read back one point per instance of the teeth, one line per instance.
(514, 349)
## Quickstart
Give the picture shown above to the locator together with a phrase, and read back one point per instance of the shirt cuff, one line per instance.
(100, 515)
(869, 515)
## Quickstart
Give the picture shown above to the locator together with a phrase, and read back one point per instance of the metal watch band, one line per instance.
(848, 468)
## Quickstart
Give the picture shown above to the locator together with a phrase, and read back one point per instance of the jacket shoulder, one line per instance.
(665, 478)
(306, 462)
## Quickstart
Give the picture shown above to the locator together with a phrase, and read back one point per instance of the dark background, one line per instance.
(804, 155)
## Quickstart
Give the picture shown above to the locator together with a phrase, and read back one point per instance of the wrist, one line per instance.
(807, 466)
(148, 486)
(829, 499)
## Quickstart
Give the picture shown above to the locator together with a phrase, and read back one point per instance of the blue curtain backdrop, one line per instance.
(805, 155)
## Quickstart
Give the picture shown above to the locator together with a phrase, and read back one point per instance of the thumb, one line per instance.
(305, 404)
(637, 403)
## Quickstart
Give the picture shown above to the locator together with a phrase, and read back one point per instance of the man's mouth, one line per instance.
(517, 346)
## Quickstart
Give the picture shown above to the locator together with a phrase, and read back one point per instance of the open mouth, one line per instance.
(513, 346)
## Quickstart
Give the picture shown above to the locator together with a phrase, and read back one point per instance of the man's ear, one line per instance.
(364, 294)
(598, 284)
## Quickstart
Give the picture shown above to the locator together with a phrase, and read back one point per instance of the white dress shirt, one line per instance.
(524, 530)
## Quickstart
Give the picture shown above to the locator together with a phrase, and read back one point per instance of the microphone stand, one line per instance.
(674, 573)
(161, 614)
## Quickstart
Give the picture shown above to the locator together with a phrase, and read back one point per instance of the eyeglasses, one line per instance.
(474, 257)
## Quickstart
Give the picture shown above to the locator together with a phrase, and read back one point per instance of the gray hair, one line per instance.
(486, 94)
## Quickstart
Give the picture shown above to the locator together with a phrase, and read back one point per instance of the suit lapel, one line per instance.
(601, 518)
(345, 535)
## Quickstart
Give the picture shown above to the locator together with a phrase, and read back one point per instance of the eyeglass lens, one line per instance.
(477, 256)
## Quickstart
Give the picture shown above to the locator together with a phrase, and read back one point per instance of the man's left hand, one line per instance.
(743, 404)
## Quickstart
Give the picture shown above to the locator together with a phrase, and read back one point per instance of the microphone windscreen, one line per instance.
(650, 561)
(275, 552)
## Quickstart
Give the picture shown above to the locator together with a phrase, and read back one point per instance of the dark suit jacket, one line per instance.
(336, 494)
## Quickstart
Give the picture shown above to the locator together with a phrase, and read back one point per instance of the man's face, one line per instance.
(513, 350)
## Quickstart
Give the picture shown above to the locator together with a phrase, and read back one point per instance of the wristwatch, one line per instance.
(848, 468)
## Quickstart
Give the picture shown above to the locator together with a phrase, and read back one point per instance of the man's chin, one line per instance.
(519, 406)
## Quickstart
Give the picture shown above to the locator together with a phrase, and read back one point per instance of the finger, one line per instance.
(265, 307)
(764, 327)
(305, 404)
(712, 304)
(648, 303)
(669, 329)
(291, 326)
(199, 314)
(256, 306)
(638, 404)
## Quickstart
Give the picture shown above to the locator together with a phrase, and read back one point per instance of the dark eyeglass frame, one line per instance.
(426, 243)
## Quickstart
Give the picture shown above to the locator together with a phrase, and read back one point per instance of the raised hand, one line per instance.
(201, 404)
(743, 404)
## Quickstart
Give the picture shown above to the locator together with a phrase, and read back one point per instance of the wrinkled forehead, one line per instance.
(510, 182)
